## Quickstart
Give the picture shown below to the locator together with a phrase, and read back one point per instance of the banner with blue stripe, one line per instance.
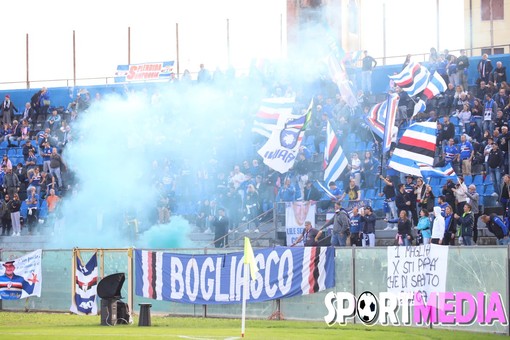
(219, 279)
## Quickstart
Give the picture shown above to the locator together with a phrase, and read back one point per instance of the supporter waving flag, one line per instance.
(413, 79)
(266, 119)
(438, 172)
(418, 144)
(435, 86)
(377, 117)
(334, 158)
(281, 149)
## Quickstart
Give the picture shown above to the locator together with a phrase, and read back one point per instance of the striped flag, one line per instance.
(339, 77)
(281, 149)
(420, 106)
(413, 79)
(267, 117)
(438, 172)
(417, 145)
(334, 158)
(435, 86)
(85, 282)
(314, 269)
(376, 118)
(149, 273)
(391, 115)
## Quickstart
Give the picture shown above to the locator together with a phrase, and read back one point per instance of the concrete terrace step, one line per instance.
(23, 242)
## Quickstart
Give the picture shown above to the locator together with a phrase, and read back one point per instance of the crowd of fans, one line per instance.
(472, 136)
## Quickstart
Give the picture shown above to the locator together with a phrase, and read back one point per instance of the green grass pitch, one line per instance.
(65, 326)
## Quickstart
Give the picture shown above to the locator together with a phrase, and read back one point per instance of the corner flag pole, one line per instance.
(245, 293)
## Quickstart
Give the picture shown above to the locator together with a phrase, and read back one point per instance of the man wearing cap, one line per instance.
(12, 285)
(309, 236)
(474, 130)
(473, 200)
(7, 108)
(341, 224)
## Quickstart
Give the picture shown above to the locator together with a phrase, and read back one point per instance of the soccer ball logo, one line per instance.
(367, 308)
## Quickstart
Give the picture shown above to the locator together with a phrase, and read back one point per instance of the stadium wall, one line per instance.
(470, 269)
(62, 96)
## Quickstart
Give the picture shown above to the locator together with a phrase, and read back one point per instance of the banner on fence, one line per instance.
(296, 213)
(144, 72)
(219, 279)
(85, 283)
(417, 269)
(21, 278)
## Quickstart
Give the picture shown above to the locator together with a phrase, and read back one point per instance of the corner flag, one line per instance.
(249, 258)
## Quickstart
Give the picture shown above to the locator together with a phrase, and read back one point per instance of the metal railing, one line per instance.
(236, 234)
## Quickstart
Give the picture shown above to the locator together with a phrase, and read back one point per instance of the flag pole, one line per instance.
(245, 294)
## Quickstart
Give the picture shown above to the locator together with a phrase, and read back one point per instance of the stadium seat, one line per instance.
(468, 180)
(488, 180)
(478, 180)
(377, 203)
(488, 189)
(369, 194)
(24, 209)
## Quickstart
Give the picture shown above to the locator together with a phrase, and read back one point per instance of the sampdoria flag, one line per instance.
(335, 161)
(85, 283)
(438, 172)
(281, 149)
(391, 115)
(435, 86)
(413, 79)
(249, 258)
(417, 145)
(267, 117)
(420, 106)
(339, 77)
(376, 118)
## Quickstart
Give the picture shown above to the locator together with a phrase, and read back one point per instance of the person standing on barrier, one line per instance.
(389, 199)
(410, 188)
(369, 220)
(309, 236)
(341, 225)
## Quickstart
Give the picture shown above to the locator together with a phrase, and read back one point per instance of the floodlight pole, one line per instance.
(28, 68)
(74, 58)
(129, 46)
